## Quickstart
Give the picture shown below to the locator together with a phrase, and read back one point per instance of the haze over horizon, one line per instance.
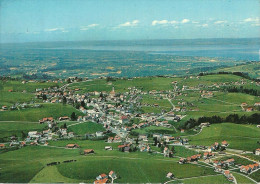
(78, 20)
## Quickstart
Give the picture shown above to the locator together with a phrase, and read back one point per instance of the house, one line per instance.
(32, 134)
(80, 118)
(112, 175)
(99, 134)
(245, 169)
(88, 151)
(102, 181)
(108, 148)
(166, 152)
(143, 137)
(182, 130)
(249, 109)
(208, 155)
(110, 139)
(169, 175)
(43, 120)
(182, 161)
(257, 104)
(224, 143)
(2, 146)
(230, 161)
(72, 146)
(228, 175)
(243, 104)
(71, 134)
(4, 108)
(64, 118)
(257, 151)
(206, 124)
(22, 144)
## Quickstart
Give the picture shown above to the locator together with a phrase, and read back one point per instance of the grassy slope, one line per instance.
(130, 170)
(17, 86)
(256, 176)
(22, 165)
(209, 180)
(241, 179)
(10, 98)
(155, 129)
(243, 137)
(252, 69)
(88, 127)
(8, 129)
(53, 110)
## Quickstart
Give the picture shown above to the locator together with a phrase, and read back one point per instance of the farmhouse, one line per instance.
(108, 148)
(88, 151)
(49, 119)
(112, 175)
(2, 146)
(169, 175)
(72, 146)
(64, 118)
(4, 107)
(257, 151)
(224, 143)
(257, 104)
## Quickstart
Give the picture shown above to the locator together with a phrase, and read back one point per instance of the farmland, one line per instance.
(243, 137)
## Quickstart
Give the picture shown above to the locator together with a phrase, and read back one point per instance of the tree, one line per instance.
(173, 149)
(64, 100)
(82, 103)
(73, 116)
(23, 135)
(137, 141)
(44, 97)
(155, 141)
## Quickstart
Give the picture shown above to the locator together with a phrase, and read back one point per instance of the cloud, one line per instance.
(54, 29)
(194, 22)
(163, 22)
(129, 24)
(252, 19)
(84, 28)
(185, 21)
(202, 25)
(220, 22)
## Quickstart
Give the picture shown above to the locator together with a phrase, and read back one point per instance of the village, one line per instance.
(122, 117)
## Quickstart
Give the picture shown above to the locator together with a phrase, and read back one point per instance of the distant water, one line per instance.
(237, 49)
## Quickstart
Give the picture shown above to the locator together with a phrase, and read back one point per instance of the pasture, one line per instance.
(242, 137)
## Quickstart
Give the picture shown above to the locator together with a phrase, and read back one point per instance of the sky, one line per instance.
(73, 20)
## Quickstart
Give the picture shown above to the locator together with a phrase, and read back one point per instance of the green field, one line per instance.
(8, 129)
(34, 114)
(241, 179)
(144, 83)
(207, 180)
(131, 167)
(242, 137)
(86, 127)
(10, 98)
(17, 86)
(252, 69)
(155, 129)
(256, 176)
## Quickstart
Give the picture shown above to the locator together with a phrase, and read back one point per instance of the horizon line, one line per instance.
(127, 40)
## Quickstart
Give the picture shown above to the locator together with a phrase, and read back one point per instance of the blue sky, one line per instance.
(71, 20)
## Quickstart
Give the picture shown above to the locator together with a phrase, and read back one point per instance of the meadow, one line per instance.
(35, 114)
(9, 129)
(242, 137)
(86, 127)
